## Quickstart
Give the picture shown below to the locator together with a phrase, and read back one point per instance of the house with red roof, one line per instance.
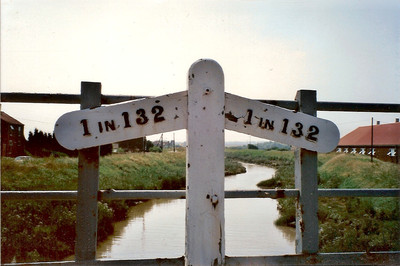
(12, 136)
(382, 140)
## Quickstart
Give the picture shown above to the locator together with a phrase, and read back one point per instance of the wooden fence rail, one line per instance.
(19, 97)
(181, 194)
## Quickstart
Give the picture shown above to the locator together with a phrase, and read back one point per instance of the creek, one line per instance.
(156, 228)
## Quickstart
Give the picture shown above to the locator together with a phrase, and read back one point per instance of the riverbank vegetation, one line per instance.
(346, 224)
(45, 230)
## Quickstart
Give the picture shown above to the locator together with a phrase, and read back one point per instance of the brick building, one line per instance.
(385, 144)
(12, 136)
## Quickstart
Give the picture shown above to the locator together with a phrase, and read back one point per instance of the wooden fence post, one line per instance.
(88, 185)
(205, 233)
(306, 181)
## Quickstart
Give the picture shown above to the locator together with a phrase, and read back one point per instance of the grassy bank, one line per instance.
(45, 230)
(346, 224)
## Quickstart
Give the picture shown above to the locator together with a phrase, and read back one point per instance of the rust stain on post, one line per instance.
(231, 117)
(280, 193)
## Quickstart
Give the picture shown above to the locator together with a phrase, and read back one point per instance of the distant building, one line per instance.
(385, 144)
(12, 136)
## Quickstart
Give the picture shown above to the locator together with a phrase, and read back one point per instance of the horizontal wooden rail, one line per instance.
(39, 195)
(18, 97)
(342, 106)
(358, 107)
(340, 258)
(181, 194)
(375, 192)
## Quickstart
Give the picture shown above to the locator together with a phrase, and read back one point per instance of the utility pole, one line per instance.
(372, 139)
(174, 142)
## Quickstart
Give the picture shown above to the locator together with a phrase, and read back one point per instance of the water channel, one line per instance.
(156, 228)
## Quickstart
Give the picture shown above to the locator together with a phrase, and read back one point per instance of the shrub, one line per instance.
(155, 149)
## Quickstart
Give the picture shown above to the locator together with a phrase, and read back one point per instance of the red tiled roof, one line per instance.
(385, 134)
(9, 119)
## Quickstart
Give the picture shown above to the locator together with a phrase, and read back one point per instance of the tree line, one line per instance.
(41, 144)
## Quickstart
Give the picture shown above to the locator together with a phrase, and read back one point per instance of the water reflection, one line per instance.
(156, 228)
(288, 233)
(249, 180)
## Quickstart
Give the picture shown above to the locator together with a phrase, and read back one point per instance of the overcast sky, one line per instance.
(345, 50)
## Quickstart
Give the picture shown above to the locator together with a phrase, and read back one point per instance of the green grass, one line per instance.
(39, 174)
(359, 224)
(143, 171)
(346, 224)
(45, 230)
(120, 171)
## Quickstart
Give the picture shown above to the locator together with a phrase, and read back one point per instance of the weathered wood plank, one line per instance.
(279, 124)
(88, 185)
(205, 236)
(306, 182)
(119, 122)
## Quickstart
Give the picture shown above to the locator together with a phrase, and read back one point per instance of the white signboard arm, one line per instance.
(124, 121)
(279, 124)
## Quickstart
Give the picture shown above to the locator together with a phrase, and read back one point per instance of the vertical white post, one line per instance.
(205, 236)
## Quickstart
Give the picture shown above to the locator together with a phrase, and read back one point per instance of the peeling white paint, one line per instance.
(205, 237)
